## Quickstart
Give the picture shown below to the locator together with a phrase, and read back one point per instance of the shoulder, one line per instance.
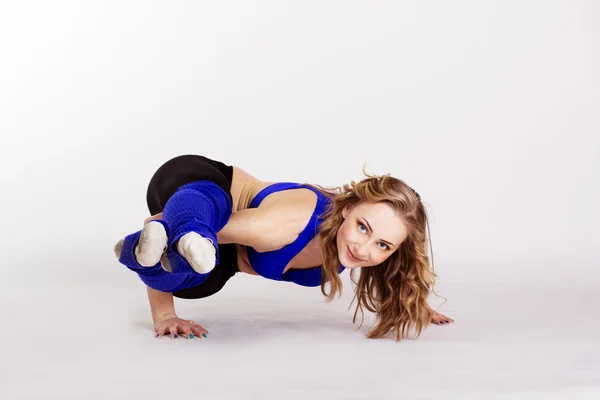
(292, 204)
(287, 214)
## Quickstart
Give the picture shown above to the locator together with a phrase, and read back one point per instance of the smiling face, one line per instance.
(370, 233)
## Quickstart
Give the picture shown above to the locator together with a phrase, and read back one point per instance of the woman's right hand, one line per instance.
(175, 326)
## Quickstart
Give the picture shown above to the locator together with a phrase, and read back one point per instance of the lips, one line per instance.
(351, 256)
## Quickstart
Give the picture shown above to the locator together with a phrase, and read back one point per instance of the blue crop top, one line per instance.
(272, 263)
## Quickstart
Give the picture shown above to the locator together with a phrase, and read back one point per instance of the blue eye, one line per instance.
(362, 226)
(385, 246)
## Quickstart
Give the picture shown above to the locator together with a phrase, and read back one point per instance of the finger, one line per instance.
(445, 319)
(440, 319)
(173, 330)
(188, 331)
(198, 329)
(160, 331)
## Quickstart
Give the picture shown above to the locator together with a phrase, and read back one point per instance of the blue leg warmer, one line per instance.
(201, 207)
(156, 277)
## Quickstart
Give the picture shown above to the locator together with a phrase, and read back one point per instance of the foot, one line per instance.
(198, 251)
(118, 249)
(152, 244)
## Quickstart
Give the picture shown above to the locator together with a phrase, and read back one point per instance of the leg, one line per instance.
(196, 212)
(167, 180)
(155, 276)
(182, 170)
(188, 206)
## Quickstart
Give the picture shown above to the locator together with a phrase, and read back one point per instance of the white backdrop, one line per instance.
(490, 110)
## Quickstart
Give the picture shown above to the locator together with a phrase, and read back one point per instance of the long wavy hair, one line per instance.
(397, 289)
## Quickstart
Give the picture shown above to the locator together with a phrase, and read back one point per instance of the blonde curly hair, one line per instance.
(397, 289)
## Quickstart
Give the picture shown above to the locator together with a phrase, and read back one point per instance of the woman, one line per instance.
(211, 220)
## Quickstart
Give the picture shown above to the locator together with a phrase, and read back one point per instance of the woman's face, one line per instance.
(370, 233)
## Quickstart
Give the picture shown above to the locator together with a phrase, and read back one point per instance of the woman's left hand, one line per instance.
(440, 319)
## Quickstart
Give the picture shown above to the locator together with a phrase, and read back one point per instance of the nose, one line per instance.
(361, 251)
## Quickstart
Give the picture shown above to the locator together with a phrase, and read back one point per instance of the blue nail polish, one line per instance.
(441, 322)
(175, 336)
(156, 335)
(191, 336)
(204, 334)
(447, 321)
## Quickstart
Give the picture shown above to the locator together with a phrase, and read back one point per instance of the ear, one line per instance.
(346, 210)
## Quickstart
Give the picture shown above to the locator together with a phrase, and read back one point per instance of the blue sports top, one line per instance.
(272, 263)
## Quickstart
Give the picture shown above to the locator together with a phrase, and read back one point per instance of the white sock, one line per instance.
(152, 244)
(198, 251)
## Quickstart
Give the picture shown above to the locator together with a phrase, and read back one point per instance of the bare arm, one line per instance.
(162, 308)
(267, 227)
(263, 229)
(254, 227)
(155, 216)
(166, 321)
(161, 304)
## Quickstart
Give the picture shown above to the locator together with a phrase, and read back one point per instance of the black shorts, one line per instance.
(166, 180)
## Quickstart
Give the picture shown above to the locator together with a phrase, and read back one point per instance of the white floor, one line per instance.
(81, 330)
(489, 108)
